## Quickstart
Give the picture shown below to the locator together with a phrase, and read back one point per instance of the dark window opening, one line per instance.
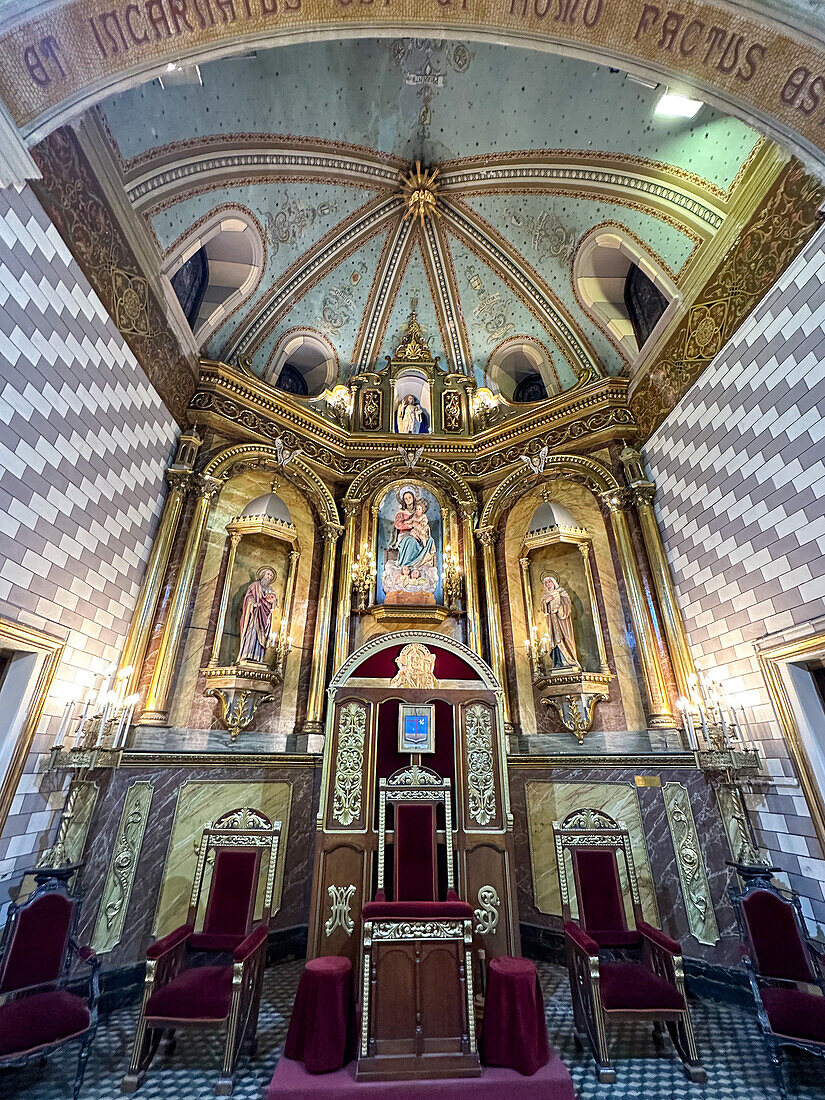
(645, 303)
(290, 380)
(531, 388)
(189, 284)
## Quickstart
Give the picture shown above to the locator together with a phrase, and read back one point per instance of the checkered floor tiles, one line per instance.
(728, 1037)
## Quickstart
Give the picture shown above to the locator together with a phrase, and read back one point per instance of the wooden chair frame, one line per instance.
(241, 828)
(594, 829)
(415, 784)
(85, 954)
(773, 1040)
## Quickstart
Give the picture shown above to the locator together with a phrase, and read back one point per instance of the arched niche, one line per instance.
(303, 363)
(601, 267)
(518, 361)
(229, 243)
(568, 500)
(190, 707)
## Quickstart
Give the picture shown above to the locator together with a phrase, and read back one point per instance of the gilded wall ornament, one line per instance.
(340, 898)
(692, 873)
(480, 785)
(488, 910)
(415, 667)
(349, 763)
(117, 889)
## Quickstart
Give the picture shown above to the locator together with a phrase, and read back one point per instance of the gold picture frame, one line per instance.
(416, 728)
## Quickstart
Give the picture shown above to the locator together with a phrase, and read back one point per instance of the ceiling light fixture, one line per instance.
(675, 105)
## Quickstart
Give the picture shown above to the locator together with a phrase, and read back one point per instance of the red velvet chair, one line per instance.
(780, 958)
(416, 1021)
(38, 1014)
(224, 991)
(650, 984)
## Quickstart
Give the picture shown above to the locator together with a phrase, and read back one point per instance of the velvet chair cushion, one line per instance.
(631, 987)
(39, 942)
(599, 895)
(200, 993)
(795, 1014)
(774, 933)
(201, 941)
(232, 893)
(415, 853)
(30, 1022)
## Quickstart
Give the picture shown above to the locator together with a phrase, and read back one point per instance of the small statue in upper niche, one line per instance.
(409, 415)
(558, 612)
(256, 616)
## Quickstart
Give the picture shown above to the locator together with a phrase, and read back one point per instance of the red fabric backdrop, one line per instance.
(447, 665)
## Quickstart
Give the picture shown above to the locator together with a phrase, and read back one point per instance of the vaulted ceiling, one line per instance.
(534, 151)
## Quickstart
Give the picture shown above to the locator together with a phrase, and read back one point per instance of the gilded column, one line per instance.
(674, 626)
(471, 583)
(140, 628)
(345, 587)
(532, 633)
(660, 716)
(227, 580)
(586, 548)
(487, 537)
(320, 643)
(155, 713)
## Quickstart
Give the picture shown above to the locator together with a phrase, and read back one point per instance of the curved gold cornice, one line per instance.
(593, 473)
(380, 473)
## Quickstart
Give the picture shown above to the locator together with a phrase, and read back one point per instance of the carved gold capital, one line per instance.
(487, 536)
(206, 487)
(332, 532)
(179, 480)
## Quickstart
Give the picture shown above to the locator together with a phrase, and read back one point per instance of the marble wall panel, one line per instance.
(302, 775)
(658, 843)
(546, 802)
(202, 800)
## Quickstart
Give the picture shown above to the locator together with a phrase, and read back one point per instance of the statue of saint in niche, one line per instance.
(558, 612)
(256, 616)
(409, 416)
(410, 574)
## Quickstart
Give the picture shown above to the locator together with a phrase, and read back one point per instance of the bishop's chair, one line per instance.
(418, 1017)
(211, 977)
(786, 971)
(41, 1009)
(616, 972)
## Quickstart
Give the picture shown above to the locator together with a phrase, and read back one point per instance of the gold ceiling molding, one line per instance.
(438, 263)
(74, 199)
(170, 173)
(375, 318)
(487, 244)
(590, 471)
(240, 404)
(766, 245)
(307, 271)
(419, 189)
(756, 66)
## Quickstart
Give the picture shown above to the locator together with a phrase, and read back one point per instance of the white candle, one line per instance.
(64, 724)
(103, 720)
(123, 725)
(694, 744)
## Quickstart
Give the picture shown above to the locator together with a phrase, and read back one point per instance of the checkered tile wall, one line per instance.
(84, 441)
(740, 472)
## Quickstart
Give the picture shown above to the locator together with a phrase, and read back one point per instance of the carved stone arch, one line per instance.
(407, 637)
(587, 471)
(226, 463)
(381, 473)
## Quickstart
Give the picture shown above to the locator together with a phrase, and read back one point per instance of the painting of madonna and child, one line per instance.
(409, 547)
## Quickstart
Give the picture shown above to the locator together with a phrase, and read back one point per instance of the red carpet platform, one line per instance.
(292, 1082)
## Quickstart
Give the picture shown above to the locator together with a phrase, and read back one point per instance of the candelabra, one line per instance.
(724, 749)
(363, 575)
(98, 734)
(453, 581)
(281, 648)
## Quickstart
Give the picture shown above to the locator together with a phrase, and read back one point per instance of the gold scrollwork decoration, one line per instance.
(692, 873)
(349, 763)
(487, 913)
(120, 879)
(418, 930)
(340, 898)
(480, 780)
